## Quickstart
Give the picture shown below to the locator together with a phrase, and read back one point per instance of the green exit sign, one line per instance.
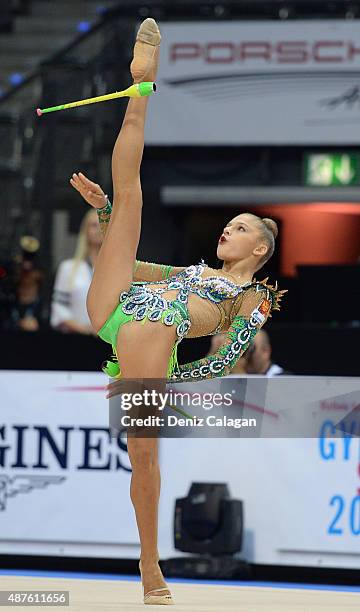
(327, 170)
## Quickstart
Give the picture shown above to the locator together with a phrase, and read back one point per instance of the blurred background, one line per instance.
(257, 109)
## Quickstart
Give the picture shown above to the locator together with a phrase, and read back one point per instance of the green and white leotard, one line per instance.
(200, 301)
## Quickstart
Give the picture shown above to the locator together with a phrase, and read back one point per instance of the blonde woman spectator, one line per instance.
(73, 278)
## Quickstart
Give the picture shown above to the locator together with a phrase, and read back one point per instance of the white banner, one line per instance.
(64, 482)
(239, 83)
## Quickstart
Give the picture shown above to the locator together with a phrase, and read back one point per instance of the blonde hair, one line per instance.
(82, 247)
(268, 230)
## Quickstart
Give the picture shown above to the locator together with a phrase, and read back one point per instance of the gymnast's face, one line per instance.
(240, 239)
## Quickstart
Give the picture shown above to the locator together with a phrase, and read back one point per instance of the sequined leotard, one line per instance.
(200, 301)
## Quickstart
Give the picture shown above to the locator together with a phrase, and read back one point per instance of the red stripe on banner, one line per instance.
(258, 409)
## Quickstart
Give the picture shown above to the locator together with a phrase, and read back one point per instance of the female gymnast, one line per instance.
(174, 302)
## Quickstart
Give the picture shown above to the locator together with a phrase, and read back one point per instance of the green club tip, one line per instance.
(146, 89)
(111, 369)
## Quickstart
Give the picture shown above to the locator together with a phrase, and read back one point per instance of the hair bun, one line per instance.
(271, 225)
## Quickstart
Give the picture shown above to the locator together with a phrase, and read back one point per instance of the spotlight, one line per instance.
(349, 15)
(208, 522)
(28, 182)
(219, 10)
(16, 78)
(83, 26)
(284, 12)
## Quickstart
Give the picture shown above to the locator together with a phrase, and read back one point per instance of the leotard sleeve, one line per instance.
(146, 271)
(256, 305)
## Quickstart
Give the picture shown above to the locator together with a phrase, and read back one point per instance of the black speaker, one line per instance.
(208, 521)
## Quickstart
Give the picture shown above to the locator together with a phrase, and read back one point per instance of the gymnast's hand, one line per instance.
(115, 388)
(91, 192)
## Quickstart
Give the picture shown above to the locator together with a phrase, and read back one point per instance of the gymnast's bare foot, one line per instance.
(145, 51)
